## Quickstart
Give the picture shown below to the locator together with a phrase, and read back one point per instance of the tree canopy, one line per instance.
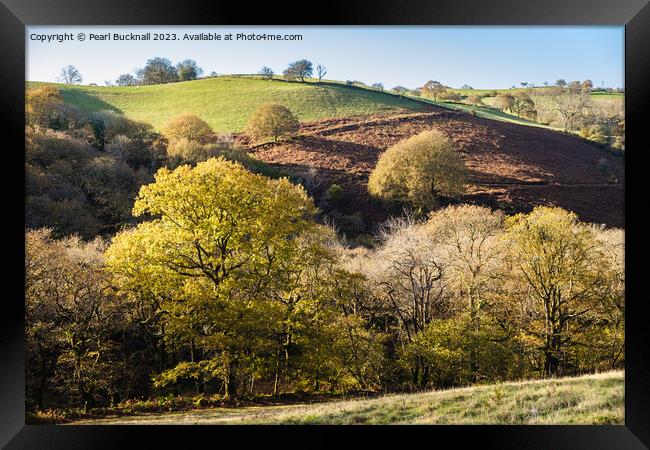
(272, 121)
(418, 170)
(300, 69)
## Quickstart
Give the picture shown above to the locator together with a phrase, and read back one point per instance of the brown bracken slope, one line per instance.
(512, 167)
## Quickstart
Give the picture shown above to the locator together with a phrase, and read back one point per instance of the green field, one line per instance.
(226, 103)
(591, 399)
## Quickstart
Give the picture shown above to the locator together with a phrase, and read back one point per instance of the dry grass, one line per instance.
(590, 399)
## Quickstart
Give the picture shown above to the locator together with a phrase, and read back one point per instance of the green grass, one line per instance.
(487, 113)
(226, 103)
(591, 399)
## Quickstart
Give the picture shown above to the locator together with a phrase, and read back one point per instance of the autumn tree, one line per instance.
(400, 90)
(469, 239)
(586, 86)
(524, 106)
(570, 105)
(42, 106)
(418, 170)
(71, 318)
(575, 87)
(188, 70)
(505, 101)
(562, 273)
(208, 243)
(475, 100)
(272, 121)
(433, 89)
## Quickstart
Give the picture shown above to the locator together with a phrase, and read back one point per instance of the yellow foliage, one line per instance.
(271, 121)
(418, 170)
(41, 104)
(189, 127)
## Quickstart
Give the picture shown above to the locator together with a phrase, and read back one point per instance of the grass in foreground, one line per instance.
(590, 399)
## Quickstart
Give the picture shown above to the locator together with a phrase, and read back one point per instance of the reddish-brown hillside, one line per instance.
(511, 166)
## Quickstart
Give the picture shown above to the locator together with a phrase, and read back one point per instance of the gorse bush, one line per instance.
(419, 170)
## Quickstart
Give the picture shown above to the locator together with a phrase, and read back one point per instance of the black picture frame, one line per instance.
(16, 14)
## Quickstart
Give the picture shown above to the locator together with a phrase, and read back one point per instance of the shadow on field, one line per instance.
(87, 101)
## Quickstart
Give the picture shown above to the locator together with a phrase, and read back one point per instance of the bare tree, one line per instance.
(266, 73)
(321, 71)
(70, 75)
(570, 105)
(407, 271)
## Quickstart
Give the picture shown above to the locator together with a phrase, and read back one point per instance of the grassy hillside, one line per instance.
(591, 399)
(226, 103)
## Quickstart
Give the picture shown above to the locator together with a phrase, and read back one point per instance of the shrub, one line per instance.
(112, 185)
(184, 150)
(450, 97)
(594, 133)
(41, 105)
(134, 153)
(418, 170)
(475, 100)
(334, 194)
(524, 106)
(188, 126)
(271, 121)
(505, 101)
(47, 147)
(348, 223)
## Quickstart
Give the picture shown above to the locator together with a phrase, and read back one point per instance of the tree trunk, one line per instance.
(231, 379)
(551, 356)
(42, 381)
(277, 374)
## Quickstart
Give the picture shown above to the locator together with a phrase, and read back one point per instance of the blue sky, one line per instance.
(483, 57)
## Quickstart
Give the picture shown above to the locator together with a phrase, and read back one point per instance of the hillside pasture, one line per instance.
(226, 103)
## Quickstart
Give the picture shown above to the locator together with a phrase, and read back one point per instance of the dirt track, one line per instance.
(511, 166)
